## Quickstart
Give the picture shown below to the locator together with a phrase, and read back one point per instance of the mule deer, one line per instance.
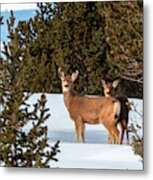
(90, 110)
(124, 114)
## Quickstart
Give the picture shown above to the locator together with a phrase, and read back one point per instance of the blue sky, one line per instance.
(22, 11)
(19, 15)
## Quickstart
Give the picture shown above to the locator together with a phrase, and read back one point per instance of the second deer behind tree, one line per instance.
(108, 89)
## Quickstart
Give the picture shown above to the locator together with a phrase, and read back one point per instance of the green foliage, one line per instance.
(124, 37)
(137, 132)
(100, 39)
(19, 147)
(137, 141)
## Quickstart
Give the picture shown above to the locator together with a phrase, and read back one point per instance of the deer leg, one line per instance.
(110, 135)
(122, 135)
(82, 132)
(116, 135)
(110, 138)
(127, 136)
(77, 132)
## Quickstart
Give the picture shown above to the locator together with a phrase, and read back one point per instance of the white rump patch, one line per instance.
(117, 108)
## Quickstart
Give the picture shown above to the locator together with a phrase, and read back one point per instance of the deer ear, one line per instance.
(74, 75)
(60, 73)
(103, 82)
(115, 83)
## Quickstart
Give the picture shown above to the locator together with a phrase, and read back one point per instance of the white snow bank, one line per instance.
(97, 157)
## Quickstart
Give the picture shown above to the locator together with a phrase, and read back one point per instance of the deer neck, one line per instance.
(68, 96)
(108, 95)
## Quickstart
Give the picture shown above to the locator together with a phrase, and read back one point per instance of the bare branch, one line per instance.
(140, 81)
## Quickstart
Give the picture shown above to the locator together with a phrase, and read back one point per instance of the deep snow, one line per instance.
(96, 153)
(97, 156)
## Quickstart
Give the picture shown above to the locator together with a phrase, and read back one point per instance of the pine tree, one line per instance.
(80, 43)
(100, 39)
(18, 147)
(124, 38)
(137, 140)
(40, 71)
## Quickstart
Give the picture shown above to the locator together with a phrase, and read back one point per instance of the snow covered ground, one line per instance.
(97, 156)
(96, 153)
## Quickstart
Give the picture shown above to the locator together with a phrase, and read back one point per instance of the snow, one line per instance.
(97, 157)
(96, 153)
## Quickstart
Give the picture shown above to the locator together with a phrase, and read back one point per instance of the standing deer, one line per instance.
(109, 88)
(90, 110)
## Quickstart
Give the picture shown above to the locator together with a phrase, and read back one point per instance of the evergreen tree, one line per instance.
(124, 38)
(82, 43)
(18, 147)
(100, 39)
(39, 74)
(138, 142)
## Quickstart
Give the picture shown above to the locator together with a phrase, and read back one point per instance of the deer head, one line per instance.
(67, 81)
(109, 87)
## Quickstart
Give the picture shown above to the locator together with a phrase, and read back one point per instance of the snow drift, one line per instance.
(96, 153)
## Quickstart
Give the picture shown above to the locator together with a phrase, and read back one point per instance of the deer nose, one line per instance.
(108, 92)
(66, 85)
